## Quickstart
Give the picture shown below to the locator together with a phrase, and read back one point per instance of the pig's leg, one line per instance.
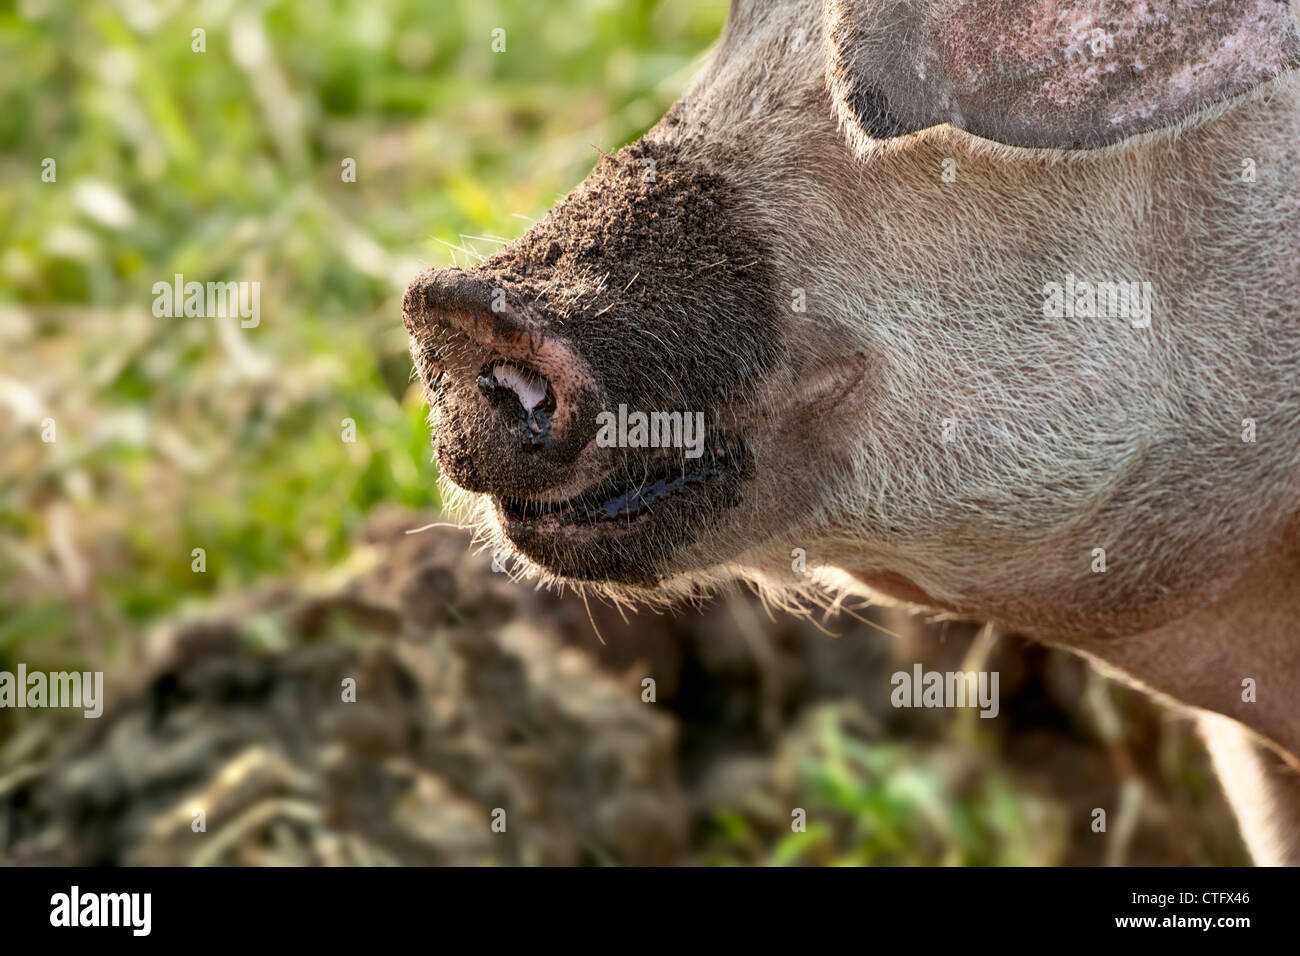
(1264, 791)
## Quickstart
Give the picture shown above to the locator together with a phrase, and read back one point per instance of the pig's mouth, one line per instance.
(620, 497)
(627, 525)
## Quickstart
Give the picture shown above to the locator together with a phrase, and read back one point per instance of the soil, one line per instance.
(480, 701)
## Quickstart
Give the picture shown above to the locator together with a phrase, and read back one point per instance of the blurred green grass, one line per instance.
(176, 434)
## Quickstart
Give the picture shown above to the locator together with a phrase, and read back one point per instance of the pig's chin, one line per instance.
(631, 526)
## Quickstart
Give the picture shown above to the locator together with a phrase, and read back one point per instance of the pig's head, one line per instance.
(861, 248)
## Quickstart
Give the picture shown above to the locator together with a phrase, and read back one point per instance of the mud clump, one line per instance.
(463, 715)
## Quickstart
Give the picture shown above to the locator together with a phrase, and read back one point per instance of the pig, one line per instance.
(991, 308)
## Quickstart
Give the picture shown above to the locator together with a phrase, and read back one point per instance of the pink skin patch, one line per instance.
(1119, 66)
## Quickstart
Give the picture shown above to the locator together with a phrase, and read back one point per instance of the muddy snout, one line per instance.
(513, 403)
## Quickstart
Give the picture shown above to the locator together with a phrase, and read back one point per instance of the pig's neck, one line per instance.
(1198, 651)
(1251, 630)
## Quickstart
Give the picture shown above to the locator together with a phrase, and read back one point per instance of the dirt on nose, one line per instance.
(649, 269)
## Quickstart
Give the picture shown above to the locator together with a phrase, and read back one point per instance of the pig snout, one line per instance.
(513, 404)
(642, 297)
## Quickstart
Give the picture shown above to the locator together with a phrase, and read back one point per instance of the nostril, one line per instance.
(529, 387)
(526, 391)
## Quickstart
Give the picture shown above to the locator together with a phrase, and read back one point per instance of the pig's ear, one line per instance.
(1048, 73)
